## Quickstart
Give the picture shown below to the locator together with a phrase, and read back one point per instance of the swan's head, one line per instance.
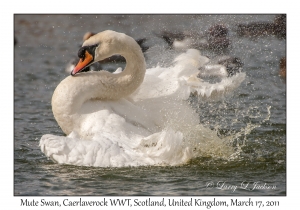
(101, 46)
(86, 57)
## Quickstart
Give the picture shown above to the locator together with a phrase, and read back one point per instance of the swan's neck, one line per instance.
(73, 91)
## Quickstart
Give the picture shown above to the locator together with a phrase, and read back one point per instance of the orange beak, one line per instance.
(82, 63)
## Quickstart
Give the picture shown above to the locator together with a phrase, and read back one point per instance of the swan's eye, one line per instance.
(81, 53)
(90, 49)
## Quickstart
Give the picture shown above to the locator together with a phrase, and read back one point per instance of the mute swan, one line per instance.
(135, 117)
(215, 39)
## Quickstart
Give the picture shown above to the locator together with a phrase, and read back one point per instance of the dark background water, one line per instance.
(46, 43)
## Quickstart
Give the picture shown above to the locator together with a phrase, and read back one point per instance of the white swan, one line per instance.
(135, 117)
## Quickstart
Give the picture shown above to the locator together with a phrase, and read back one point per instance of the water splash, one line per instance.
(232, 122)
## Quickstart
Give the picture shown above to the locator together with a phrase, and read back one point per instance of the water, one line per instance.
(254, 115)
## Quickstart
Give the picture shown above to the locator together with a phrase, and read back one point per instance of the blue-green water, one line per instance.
(255, 114)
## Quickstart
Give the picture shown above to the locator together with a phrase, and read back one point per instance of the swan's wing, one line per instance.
(167, 147)
(167, 82)
(180, 80)
(75, 151)
(156, 149)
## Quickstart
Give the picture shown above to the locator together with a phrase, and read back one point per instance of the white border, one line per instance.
(141, 7)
